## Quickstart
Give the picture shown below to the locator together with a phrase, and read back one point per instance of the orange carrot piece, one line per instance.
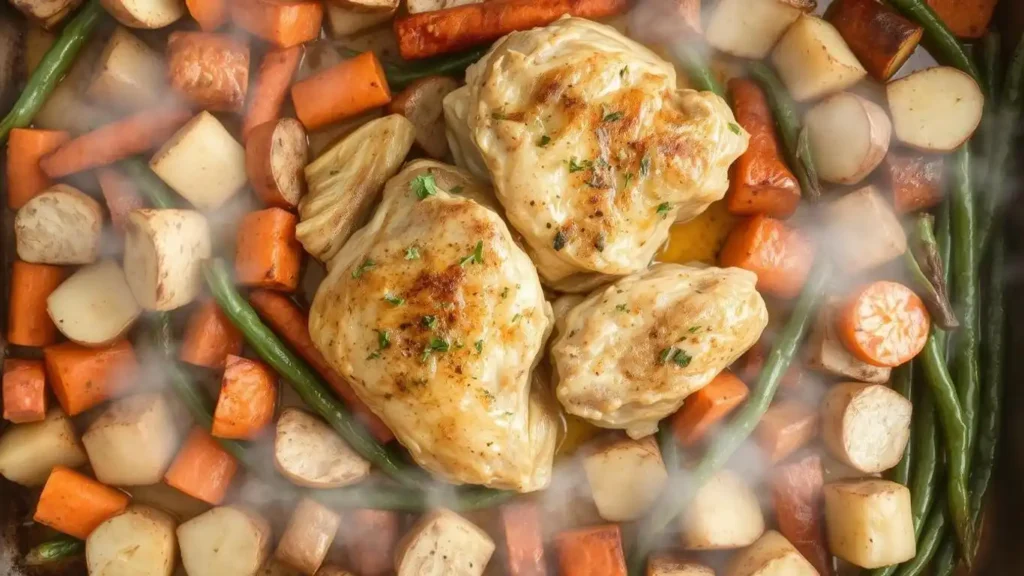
(24, 177)
(440, 32)
(120, 194)
(248, 393)
(24, 390)
(760, 182)
(797, 498)
(289, 322)
(369, 538)
(786, 427)
(780, 256)
(210, 338)
(210, 14)
(346, 89)
(76, 504)
(594, 551)
(85, 377)
(884, 324)
(916, 181)
(524, 539)
(115, 141)
(267, 254)
(202, 469)
(209, 70)
(965, 18)
(284, 25)
(28, 322)
(271, 87)
(708, 406)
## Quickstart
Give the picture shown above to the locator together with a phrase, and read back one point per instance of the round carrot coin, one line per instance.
(884, 324)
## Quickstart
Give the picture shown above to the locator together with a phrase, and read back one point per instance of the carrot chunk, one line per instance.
(786, 427)
(271, 87)
(75, 504)
(916, 181)
(524, 539)
(965, 18)
(341, 91)
(28, 322)
(779, 255)
(25, 178)
(210, 70)
(369, 538)
(708, 406)
(283, 25)
(594, 551)
(86, 377)
(797, 498)
(268, 255)
(210, 14)
(884, 324)
(120, 194)
(210, 337)
(24, 391)
(202, 469)
(248, 393)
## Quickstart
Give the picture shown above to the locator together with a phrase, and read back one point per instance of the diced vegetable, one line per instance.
(209, 14)
(210, 338)
(170, 500)
(825, 352)
(372, 5)
(966, 19)
(46, 13)
(344, 21)
(271, 87)
(421, 103)
(309, 453)
(369, 538)
(133, 441)
(61, 549)
(226, 541)
(28, 323)
(139, 542)
(82, 378)
(866, 426)
(590, 551)
(247, 398)
(864, 233)
(95, 306)
(869, 522)
(786, 427)
(75, 504)
(442, 542)
(668, 566)
(797, 498)
(522, 526)
(883, 324)
(917, 181)
(24, 391)
(59, 226)
(849, 137)
(267, 253)
(625, 476)
(129, 74)
(750, 28)
(308, 536)
(25, 179)
(163, 252)
(210, 70)
(121, 195)
(780, 256)
(284, 25)
(706, 407)
(879, 36)
(724, 514)
(145, 13)
(936, 109)
(771, 555)
(202, 162)
(29, 452)
(276, 155)
(202, 469)
(317, 99)
(814, 60)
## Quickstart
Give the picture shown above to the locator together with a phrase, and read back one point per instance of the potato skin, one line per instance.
(62, 225)
(853, 414)
(879, 36)
(211, 70)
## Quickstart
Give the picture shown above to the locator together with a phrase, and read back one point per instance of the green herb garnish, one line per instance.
(576, 165)
(612, 117)
(362, 268)
(396, 300)
(429, 322)
(479, 345)
(622, 308)
(477, 257)
(544, 141)
(560, 240)
(735, 128)
(383, 339)
(663, 208)
(412, 253)
(424, 186)
(645, 166)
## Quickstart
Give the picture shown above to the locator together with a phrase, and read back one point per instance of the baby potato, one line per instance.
(866, 426)
(771, 555)
(869, 522)
(626, 476)
(308, 537)
(28, 452)
(226, 541)
(133, 441)
(59, 226)
(725, 514)
(138, 542)
(309, 453)
(813, 60)
(443, 543)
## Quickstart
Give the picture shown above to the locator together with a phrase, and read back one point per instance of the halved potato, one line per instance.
(148, 14)
(344, 21)
(276, 154)
(665, 565)
(29, 452)
(869, 522)
(725, 514)
(308, 537)
(202, 162)
(163, 252)
(849, 137)
(129, 73)
(626, 476)
(814, 60)
(824, 352)
(443, 543)
(749, 28)
(309, 453)
(771, 555)
(61, 225)
(95, 306)
(46, 13)
(138, 542)
(133, 441)
(935, 110)
(864, 232)
(226, 541)
(866, 426)
(422, 104)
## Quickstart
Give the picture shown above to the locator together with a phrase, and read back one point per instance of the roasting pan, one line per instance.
(1004, 531)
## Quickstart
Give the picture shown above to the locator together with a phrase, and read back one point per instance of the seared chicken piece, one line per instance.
(438, 318)
(630, 353)
(593, 151)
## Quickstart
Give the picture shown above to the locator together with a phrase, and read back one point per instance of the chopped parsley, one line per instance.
(457, 189)
(612, 117)
(479, 345)
(623, 72)
(396, 300)
(560, 240)
(477, 257)
(544, 141)
(516, 317)
(429, 322)
(504, 293)
(373, 355)
(436, 345)
(693, 329)
(628, 179)
(663, 208)
(664, 355)
(412, 253)
(362, 268)
(622, 308)
(735, 128)
(577, 165)
(599, 244)
(676, 356)
(383, 339)
(645, 166)
(424, 186)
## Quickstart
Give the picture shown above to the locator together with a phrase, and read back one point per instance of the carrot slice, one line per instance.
(85, 377)
(25, 178)
(211, 71)
(24, 390)
(248, 393)
(369, 538)
(210, 14)
(267, 253)
(884, 324)
(341, 91)
(284, 25)
(594, 551)
(916, 181)
(779, 255)
(524, 539)
(120, 194)
(797, 498)
(75, 504)
(271, 87)
(202, 469)
(210, 337)
(28, 322)
(708, 406)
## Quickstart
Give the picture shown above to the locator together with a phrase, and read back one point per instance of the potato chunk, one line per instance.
(869, 522)
(935, 110)
(849, 137)
(149, 14)
(309, 453)
(28, 452)
(138, 542)
(825, 353)
(771, 555)
(308, 537)
(814, 60)
(725, 514)
(95, 306)
(129, 74)
(866, 426)
(443, 543)
(226, 541)
(202, 162)
(626, 476)
(46, 13)
(163, 252)
(749, 28)
(669, 566)
(864, 232)
(59, 226)
(133, 441)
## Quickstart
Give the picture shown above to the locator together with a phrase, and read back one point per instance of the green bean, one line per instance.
(925, 473)
(928, 543)
(51, 69)
(149, 184)
(945, 563)
(942, 40)
(928, 273)
(697, 71)
(725, 443)
(902, 381)
(56, 550)
(794, 138)
(401, 75)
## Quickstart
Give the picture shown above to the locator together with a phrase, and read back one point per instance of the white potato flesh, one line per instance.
(813, 60)
(771, 555)
(418, 6)
(869, 523)
(866, 426)
(749, 28)
(168, 499)
(725, 514)
(133, 441)
(825, 353)
(61, 225)
(138, 542)
(864, 232)
(308, 537)
(95, 306)
(129, 74)
(626, 476)
(202, 162)
(163, 254)
(29, 452)
(226, 541)
(46, 13)
(344, 21)
(935, 110)
(849, 137)
(311, 454)
(422, 104)
(442, 543)
(668, 566)
(148, 14)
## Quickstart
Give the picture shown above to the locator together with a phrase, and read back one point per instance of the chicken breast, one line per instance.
(437, 318)
(593, 151)
(632, 352)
